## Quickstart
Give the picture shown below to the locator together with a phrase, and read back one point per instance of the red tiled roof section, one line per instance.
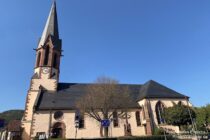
(14, 126)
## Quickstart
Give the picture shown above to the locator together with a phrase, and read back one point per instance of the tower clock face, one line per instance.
(45, 70)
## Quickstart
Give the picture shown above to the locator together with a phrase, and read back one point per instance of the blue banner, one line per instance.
(105, 123)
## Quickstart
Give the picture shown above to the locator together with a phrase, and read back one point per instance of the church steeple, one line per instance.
(51, 27)
(46, 71)
(48, 52)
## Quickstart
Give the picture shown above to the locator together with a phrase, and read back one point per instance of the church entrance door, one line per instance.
(58, 130)
(57, 133)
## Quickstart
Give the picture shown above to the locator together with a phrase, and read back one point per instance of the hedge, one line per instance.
(161, 137)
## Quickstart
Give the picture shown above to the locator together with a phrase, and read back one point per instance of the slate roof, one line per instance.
(152, 89)
(68, 93)
(51, 27)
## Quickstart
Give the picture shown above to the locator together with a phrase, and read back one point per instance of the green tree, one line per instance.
(208, 114)
(203, 117)
(158, 131)
(178, 115)
(11, 115)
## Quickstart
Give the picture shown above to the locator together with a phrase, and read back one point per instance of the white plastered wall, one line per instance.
(26, 123)
(167, 103)
(91, 129)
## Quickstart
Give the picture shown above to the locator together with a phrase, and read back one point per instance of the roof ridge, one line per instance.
(153, 89)
(99, 83)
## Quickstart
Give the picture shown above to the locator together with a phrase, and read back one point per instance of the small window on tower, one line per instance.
(47, 50)
(38, 59)
(55, 61)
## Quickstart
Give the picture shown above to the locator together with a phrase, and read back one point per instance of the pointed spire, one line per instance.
(51, 27)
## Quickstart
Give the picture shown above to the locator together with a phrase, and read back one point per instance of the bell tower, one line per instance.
(48, 54)
(46, 71)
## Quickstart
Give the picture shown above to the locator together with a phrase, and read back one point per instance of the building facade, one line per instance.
(50, 105)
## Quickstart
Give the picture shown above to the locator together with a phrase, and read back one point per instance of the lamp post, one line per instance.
(76, 126)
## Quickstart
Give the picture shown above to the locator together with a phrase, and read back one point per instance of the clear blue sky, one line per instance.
(129, 40)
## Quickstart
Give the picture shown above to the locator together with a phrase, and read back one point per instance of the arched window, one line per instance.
(159, 109)
(180, 103)
(138, 120)
(115, 119)
(38, 59)
(81, 121)
(55, 60)
(79, 118)
(47, 50)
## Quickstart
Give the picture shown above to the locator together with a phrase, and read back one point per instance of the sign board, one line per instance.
(1, 123)
(105, 123)
(41, 136)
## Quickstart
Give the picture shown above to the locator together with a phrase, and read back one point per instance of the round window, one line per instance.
(58, 115)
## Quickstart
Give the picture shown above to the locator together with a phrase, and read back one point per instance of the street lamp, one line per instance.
(76, 122)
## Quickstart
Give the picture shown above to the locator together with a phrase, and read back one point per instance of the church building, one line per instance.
(50, 104)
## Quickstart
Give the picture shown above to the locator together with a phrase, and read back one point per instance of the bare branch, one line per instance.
(103, 97)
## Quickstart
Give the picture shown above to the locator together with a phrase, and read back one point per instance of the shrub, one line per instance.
(160, 137)
(158, 131)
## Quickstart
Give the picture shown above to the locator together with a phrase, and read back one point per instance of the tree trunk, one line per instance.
(106, 129)
(127, 126)
(101, 131)
(106, 132)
